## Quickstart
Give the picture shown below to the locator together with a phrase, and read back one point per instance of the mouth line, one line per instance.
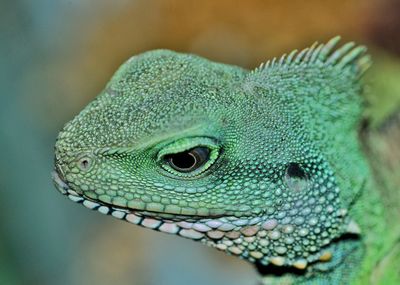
(64, 189)
(92, 204)
(184, 226)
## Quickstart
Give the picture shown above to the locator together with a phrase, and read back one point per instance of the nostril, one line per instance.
(85, 163)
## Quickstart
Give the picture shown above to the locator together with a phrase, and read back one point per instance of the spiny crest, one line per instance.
(347, 56)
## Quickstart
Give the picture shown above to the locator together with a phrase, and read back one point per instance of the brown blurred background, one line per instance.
(55, 56)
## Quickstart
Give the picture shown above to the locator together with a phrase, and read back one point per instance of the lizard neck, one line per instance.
(376, 212)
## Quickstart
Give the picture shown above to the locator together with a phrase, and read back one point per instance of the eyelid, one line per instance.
(187, 144)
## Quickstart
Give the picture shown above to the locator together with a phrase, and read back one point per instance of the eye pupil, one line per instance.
(188, 160)
(183, 160)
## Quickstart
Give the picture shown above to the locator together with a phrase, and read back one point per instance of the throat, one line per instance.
(344, 253)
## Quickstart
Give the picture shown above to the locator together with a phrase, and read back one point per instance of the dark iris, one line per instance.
(189, 160)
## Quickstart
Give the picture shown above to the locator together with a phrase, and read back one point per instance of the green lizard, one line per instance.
(265, 165)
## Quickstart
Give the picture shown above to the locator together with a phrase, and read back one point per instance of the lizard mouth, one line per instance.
(137, 217)
(63, 187)
(188, 226)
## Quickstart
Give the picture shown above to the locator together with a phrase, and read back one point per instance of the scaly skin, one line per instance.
(280, 179)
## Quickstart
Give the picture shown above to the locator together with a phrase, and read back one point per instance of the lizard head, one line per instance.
(240, 160)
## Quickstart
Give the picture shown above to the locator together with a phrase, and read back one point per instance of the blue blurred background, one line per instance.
(56, 55)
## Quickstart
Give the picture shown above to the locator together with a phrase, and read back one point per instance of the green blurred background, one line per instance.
(55, 56)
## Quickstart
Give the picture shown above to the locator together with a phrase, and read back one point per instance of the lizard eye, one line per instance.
(189, 160)
(188, 157)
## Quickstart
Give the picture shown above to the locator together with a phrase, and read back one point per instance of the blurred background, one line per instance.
(56, 55)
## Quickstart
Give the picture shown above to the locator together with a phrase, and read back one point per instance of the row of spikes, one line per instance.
(343, 57)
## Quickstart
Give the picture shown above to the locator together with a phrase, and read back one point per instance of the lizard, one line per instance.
(263, 164)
